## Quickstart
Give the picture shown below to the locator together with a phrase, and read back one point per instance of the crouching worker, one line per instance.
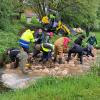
(12, 55)
(88, 51)
(61, 45)
(77, 49)
(46, 49)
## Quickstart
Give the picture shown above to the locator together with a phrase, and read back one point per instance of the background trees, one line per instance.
(73, 12)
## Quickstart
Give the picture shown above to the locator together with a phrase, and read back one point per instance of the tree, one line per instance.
(78, 12)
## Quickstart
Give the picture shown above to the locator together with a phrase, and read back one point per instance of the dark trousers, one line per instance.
(77, 50)
(14, 59)
(88, 51)
(46, 55)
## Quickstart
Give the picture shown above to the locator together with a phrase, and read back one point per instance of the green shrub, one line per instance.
(23, 19)
(35, 22)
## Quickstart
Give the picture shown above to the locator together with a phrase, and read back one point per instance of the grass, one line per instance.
(98, 37)
(68, 88)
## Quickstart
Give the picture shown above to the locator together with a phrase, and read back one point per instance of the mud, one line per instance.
(55, 69)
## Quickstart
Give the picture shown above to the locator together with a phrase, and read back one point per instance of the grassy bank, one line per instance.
(9, 38)
(70, 88)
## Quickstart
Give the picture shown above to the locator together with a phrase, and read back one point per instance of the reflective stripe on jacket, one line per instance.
(28, 36)
(45, 49)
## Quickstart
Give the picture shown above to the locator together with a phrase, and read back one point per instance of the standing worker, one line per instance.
(26, 38)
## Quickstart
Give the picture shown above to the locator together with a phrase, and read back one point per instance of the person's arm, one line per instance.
(49, 46)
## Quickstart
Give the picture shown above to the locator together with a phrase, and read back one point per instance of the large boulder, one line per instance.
(14, 81)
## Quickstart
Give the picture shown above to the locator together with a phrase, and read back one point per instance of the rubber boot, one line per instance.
(54, 60)
(60, 61)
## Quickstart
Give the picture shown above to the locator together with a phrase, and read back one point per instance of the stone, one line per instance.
(56, 68)
(38, 67)
(8, 66)
(46, 70)
(59, 73)
(64, 72)
(52, 72)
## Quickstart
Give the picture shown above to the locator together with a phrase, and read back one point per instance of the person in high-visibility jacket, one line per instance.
(46, 49)
(45, 20)
(26, 38)
(63, 27)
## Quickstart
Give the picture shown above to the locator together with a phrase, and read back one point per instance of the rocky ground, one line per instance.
(73, 67)
(14, 78)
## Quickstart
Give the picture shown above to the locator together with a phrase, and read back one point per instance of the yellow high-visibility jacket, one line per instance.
(45, 20)
(47, 47)
(63, 27)
(28, 36)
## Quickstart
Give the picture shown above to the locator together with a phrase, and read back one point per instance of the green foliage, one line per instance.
(5, 13)
(34, 20)
(10, 37)
(78, 12)
(23, 19)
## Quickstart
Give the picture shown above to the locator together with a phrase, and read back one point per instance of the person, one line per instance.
(77, 49)
(23, 60)
(55, 24)
(45, 20)
(63, 28)
(91, 41)
(12, 54)
(48, 37)
(80, 51)
(26, 38)
(46, 49)
(52, 18)
(88, 51)
(40, 36)
(60, 46)
(79, 40)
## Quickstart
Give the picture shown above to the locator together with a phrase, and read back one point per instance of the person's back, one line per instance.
(91, 40)
(14, 51)
(62, 41)
(47, 46)
(28, 36)
(59, 41)
(79, 40)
